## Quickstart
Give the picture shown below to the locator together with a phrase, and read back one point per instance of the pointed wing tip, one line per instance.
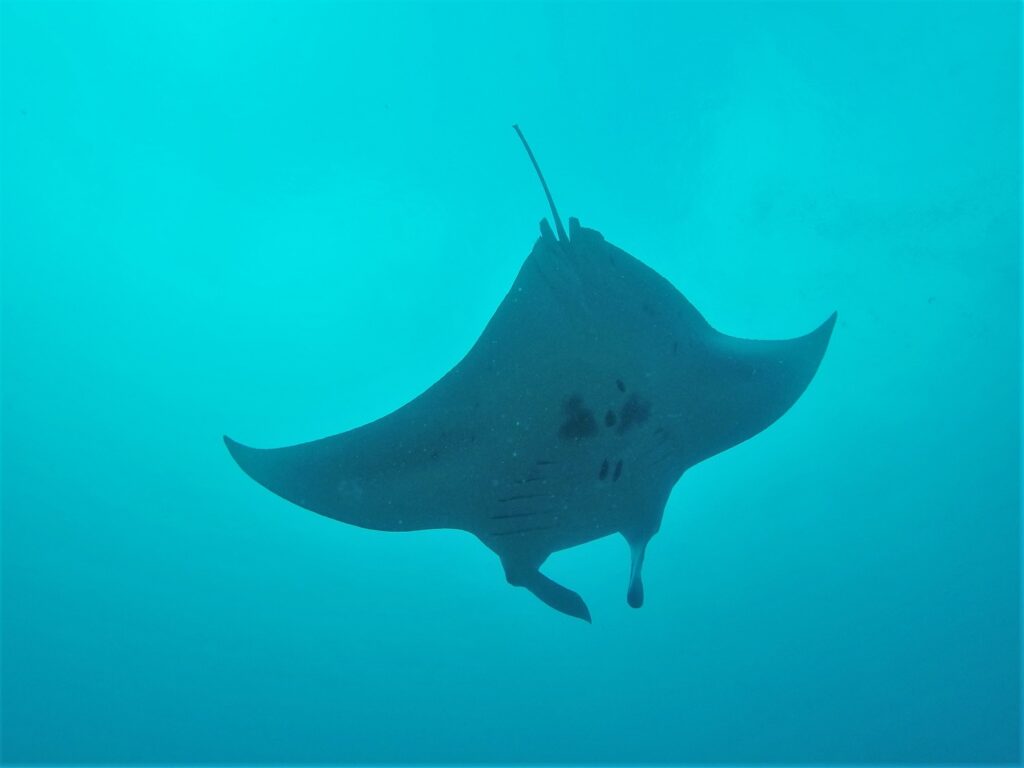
(237, 450)
(824, 331)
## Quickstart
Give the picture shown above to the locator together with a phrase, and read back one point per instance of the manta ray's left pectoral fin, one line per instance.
(551, 592)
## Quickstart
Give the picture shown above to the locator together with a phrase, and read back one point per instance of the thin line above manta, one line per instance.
(592, 389)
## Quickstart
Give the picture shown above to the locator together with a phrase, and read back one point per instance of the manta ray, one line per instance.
(592, 389)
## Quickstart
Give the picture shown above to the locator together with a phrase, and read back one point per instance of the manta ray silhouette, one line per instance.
(592, 389)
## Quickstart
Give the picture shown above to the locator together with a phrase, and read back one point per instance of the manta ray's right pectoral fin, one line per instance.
(551, 592)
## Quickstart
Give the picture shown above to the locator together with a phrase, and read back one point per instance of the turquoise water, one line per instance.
(280, 221)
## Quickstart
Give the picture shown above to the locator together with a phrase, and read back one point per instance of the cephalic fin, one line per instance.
(635, 593)
(551, 592)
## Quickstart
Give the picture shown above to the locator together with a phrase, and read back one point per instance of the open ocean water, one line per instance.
(283, 220)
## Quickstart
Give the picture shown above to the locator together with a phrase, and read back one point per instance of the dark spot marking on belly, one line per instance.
(620, 385)
(634, 411)
(618, 470)
(610, 418)
(604, 470)
(579, 420)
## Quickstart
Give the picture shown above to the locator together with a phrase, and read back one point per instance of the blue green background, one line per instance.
(283, 220)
